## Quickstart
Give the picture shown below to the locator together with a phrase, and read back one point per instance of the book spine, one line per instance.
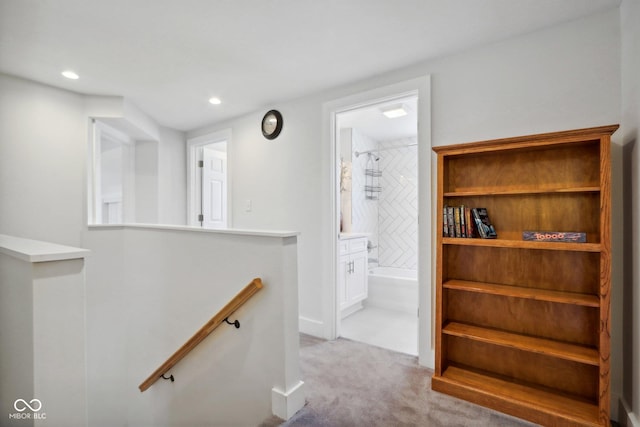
(451, 222)
(445, 222)
(456, 220)
(470, 223)
(478, 221)
(463, 222)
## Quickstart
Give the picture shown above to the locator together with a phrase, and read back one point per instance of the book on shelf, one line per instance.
(554, 236)
(445, 222)
(459, 221)
(463, 222)
(483, 224)
(451, 222)
(456, 222)
(471, 228)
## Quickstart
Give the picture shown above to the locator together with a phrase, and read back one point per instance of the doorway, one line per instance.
(111, 172)
(378, 204)
(208, 169)
(421, 88)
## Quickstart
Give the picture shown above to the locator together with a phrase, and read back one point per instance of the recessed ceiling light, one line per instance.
(215, 101)
(394, 111)
(70, 75)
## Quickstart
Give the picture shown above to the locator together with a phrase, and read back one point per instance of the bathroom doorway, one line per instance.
(377, 146)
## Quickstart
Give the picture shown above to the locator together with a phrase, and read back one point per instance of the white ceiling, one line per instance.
(169, 57)
(370, 121)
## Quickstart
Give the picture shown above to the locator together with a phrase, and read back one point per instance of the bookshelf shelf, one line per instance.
(586, 300)
(510, 191)
(523, 326)
(576, 353)
(523, 244)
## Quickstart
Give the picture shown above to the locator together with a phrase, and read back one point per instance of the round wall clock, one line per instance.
(272, 124)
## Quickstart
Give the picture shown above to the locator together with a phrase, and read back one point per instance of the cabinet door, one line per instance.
(343, 276)
(357, 288)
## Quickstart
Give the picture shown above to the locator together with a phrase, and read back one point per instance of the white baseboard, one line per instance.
(311, 327)
(427, 359)
(626, 417)
(285, 404)
(615, 406)
(346, 312)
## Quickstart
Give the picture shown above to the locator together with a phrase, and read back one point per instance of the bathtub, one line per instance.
(393, 289)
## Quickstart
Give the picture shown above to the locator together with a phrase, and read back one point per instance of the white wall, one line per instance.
(560, 78)
(43, 139)
(111, 167)
(146, 182)
(283, 179)
(159, 188)
(16, 333)
(172, 177)
(42, 334)
(59, 341)
(565, 77)
(150, 289)
(160, 179)
(630, 129)
(44, 135)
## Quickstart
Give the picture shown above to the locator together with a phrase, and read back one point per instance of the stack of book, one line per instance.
(462, 221)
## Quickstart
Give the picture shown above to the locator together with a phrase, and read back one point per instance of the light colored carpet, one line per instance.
(354, 384)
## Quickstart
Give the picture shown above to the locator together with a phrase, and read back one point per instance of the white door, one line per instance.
(214, 188)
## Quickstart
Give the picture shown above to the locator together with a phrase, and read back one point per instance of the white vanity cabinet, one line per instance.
(352, 277)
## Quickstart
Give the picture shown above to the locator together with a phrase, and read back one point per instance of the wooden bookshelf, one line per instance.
(523, 326)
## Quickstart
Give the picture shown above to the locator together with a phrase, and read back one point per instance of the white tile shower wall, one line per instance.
(364, 211)
(398, 205)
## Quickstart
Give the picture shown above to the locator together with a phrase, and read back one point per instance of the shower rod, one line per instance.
(358, 153)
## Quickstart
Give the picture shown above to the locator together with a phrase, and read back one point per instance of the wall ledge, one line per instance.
(232, 231)
(38, 251)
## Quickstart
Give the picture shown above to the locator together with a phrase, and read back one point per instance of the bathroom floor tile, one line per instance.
(388, 329)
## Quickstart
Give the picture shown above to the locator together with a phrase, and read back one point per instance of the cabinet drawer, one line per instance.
(352, 245)
(358, 245)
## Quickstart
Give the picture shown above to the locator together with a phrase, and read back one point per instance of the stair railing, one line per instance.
(222, 316)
